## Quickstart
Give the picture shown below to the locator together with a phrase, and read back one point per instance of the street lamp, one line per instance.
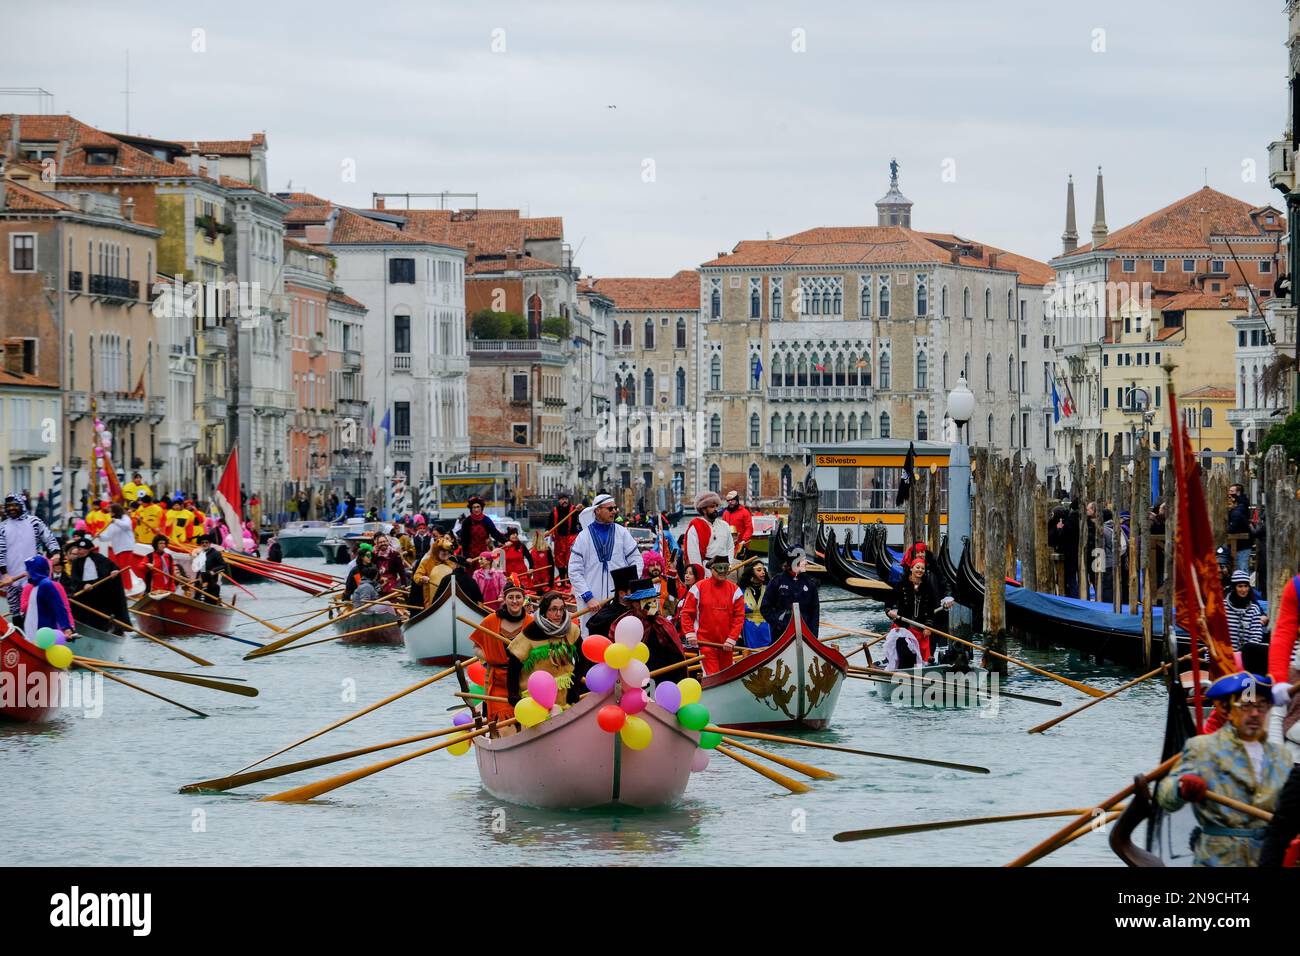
(388, 482)
(961, 408)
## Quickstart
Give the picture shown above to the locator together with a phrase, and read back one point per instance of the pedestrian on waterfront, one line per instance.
(304, 505)
(1063, 539)
(1112, 551)
(1239, 523)
(1246, 620)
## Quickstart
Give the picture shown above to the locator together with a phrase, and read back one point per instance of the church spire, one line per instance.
(1099, 230)
(1069, 238)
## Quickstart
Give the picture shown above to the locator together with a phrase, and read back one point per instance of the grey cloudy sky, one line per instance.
(747, 136)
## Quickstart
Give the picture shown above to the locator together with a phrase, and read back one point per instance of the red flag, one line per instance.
(114, 489)
(227, 496)
(1198, 594)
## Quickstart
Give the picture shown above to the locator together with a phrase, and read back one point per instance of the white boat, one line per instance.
(433, 635)
(793, 682)
(88, 641)
(300, 539)
(335, 547)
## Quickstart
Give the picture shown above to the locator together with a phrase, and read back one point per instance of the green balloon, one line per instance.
(477, 689)
(709, 740)
(693, 716)
(45, 638)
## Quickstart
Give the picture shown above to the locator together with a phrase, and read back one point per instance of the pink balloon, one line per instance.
(633, 701)
(542, 689)
(699, 761)
(634, 674)
(628, 631)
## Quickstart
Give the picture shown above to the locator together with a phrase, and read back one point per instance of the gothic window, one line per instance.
(789, 370)
(1207, 418)
(715, 431)
(922, 296)
(922, 371)
(965, 302)
(823, 295)
(815, 429)
(814, 375)
(715, 299)
(776, 283)
(884, 297)
(776, 429)
(681, 387)
(1011, 303)
(988, 303)
(755, 371)
(753, 430)
(864, 298)
(776, 368)
(755, 297)
(649, 333)
(802, 429)
(922, 426)
(681, 332)
(988, 370)
(945, 371)
(754, 478)
(853, 426)
(965, 368)
(802, 378)
(649, 387)
(789, 428)
(990, 425)
(679, 438)
(715, 479)
(884, 424)
(883, 378)
(826, 302)
(866, 427)
(839, 427)
(715, 372)
(534, 314)
(841, 376)
(943, 301)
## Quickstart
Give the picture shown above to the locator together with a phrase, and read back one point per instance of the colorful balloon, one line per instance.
(593, 648)
(636, 733)
(60, 655)
(541, 687)
(617, 656)
(710, 739)
(477, 689)
(693, 716)
(634, 674)
(699, 761)
(611, 718)
(46, 637)
(462, 718)
(459, 749)
(628, 631)
(633, 701)
(668, 696)
(690, 689)
(600, 679)
(530, 713)
(641, 653)
(477, 673)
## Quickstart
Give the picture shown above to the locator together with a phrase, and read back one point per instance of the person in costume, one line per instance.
(792, 586)
(22, 536)
(601, 547)
(178, 521)
(1235, 761)
(917, 599)
(208, 565)
(436, 564)
(99, 517)
(543, 566)
(149, 520)
(653, 568)
(902, 649)
(392, 569)
(565, 528)
(120, 538)
(43, 602)
(1280, 845)
(703, 529)
(136, 487)
(518, 559)
(740, 519)
(548, 642)
(105, 602)
(159, 569)
(713, 612)
(601, 621)
(466, 586)
(753, 585)
(365, 559)
(659, 636)
(476, 532)
(509, 621)
(490, 579)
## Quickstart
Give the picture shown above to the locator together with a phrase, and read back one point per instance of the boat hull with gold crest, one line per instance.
(433, 635)
(569, 763)
(30, 686)
(793, 682)
(168, 614)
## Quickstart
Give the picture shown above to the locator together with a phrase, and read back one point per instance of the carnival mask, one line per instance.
(649, 606)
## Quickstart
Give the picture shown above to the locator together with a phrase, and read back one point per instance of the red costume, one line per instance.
(714, 612)
(519, 562)
(696, 543)
(565, 522)
(159, 572)
(742, 524)
(1284, 635)
(496, 658)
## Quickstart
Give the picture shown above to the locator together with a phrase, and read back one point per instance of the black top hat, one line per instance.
(624, 578)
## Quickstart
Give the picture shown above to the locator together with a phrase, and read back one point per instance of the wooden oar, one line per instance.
(1041, 850)
(94, 584)
(466, 695)
(742, 651)
(395, 622)
(485, 630)
(859, 631)
(361, 713)
(869, 584)
(1246, 808)
(143, 690)
(687, 662)
(1082, 707)
(149, 637)
(171, 675)
(298, 635)
(234, 781)
(808, 770)
(1077, 685)
(794, 786)
(1096, 823)
(311, 790)
(238, 585)
(873, 833)
(872, 673)
(755, 735)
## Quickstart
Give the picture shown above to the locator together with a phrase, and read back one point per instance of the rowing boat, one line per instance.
(934, 686)
(169, 614)
(434, 635)
(568, 762)
(30, 686)
(90, 641)
(363, 620)
(793, 682)
(845, 572)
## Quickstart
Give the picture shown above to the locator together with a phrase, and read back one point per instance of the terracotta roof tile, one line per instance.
(301, 199)
(1168, 333)
(230, 182)
(291, 243)
(19, 198)
(1209, 391)
(493, 231)
(75, 138)
(345, 299)
(680, 292)
(22, 378)
(353, 228)
(498, 264)
(308, 214)
(226, 147)
(1195, 299)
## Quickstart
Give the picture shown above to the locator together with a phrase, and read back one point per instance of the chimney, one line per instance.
(512, 260)
(195, 161)
(128, 209)
(1069, 238)
(470, 255)
(14, 356)
(993, 260)
(214, 167)
(954, 254)
(379, 202)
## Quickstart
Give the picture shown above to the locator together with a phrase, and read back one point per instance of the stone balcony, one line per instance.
(784, 449)
(517, 350)
(27, 444)
(119, 406)
(820, 393)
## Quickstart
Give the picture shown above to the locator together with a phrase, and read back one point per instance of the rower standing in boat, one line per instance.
(917, 599)
(702, 531)
(713, 612)
(159, 568)
(508, 621)
(85, 567)
(565, 528)
(1235, 761)
(547, 642)
(208, 565)
(792, 586)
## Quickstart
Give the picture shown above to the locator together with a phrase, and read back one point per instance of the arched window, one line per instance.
(649, 435)
(755, 302)
(1207, 418)
(812, 302)
(943, 301)
(681, 387)
(988, 303)
(837, 302)
(1011, 303)
(922, 371)
(864, 299)
(754, 482)
(945, 371)
(1011, 431)
(922, 426)
(534, 314)
(679, 438)
(988, 370)
(814, 373)
(627, 335)
(776, 429)
(681, 332)
(884, 424)
(1011, 373)
(814, 428)
(715, 479)
(827, 303)
(715, 372)
(965, 302)
(755, 371)
(715, 303)
(789, 428)
(839, 427)
(853, 426)
(753, 430)
(866, 427)
(802, 429)
(884, 372)
(884, 297)
(990, 424)
(846, 374)
(715, 431)
(649, 387)
(775, 310)
(922, 296)
(649, 335)
(629, 384)
(802, 378)
(965, 368)
(776, 368)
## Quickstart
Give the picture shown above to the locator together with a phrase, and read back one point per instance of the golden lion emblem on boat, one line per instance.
(772, 687)
(822, 678)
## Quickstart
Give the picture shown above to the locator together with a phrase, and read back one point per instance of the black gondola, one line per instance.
(841, 569)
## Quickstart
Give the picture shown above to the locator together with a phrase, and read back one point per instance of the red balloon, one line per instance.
(611, 717)
(477, 673)
(593, 649)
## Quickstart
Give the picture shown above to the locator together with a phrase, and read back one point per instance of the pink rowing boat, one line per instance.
(568, 762)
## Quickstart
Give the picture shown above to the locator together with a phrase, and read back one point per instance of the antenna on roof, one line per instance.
(1205, 171)
(126, 93)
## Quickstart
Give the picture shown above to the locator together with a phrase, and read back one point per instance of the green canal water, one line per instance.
(103, 791)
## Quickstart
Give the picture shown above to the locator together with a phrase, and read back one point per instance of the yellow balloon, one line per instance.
(690, 689)
(636, 733)
(529, 712)
(617, 656)
(641, 652)
(60, 655)
(460, 749)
